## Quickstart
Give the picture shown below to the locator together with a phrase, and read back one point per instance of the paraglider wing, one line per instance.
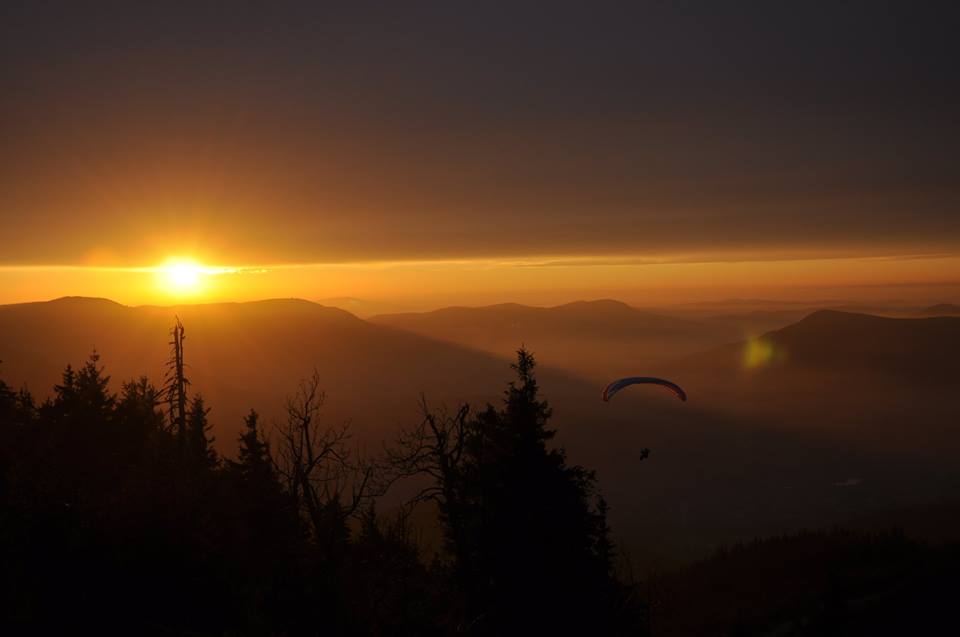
(617, 385)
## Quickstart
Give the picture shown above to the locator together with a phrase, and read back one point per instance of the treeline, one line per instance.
(118, 515)
(839, 582)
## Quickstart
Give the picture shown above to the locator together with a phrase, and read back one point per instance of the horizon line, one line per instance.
(534, 261)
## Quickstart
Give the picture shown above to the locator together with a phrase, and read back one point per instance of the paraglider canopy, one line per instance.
(617, 385)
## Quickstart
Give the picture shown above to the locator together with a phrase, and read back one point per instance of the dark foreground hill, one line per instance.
(811, 584)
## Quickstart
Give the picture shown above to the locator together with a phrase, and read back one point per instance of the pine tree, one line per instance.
(8, 403)
(524, 414)
(26, 406)
(199, 444)
(137, 407)
(65, 393)
(254, 461)
(535, 534)
(7, 397)
(176, 383)
(84, 396)
(92, 387)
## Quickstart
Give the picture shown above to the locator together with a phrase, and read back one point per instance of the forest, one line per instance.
(118, 513)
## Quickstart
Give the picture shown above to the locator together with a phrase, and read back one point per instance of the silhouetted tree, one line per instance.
(137, 407)
(524, 528)
(176, 383)
(390, 585)
(262, 496)
(8, 402)
(83, 396)
(66, 391)
(254, 461)
(265, 536)
(199, 442)
(110, 516)
(92, 388)
(329, 482)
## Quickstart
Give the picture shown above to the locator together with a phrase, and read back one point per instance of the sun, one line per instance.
(181, 277)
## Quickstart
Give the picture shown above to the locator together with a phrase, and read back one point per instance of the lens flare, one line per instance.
(760, 352)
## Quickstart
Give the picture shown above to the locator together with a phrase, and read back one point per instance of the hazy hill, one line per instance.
(941, 309)
(740, 306)
(867, 380)
(830, 342)
(749, 318)
(758, 322)
(365, 308)
(600, 339)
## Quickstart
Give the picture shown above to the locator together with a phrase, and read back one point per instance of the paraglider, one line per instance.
(617, 385)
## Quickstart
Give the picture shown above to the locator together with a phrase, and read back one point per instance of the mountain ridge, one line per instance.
(596, 338)
(832, 340)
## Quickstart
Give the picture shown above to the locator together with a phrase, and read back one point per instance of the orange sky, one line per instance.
(441, 153)
(422, 285)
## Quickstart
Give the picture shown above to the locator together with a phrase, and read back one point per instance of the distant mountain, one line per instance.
(749, 305)
(941, 309)
(831, 342)
(594, 338)
(758, 322)
(872, 382)
(752, 318)
(364, 308)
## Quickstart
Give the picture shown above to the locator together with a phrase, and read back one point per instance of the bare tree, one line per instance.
(329, 480)
(434, 448)
(176, 382)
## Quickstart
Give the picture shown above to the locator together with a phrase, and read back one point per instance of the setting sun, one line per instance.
(181, 277)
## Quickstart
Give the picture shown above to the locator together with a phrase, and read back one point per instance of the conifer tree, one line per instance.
(176, 383)
(8, 403)
(65, 393)
(137, 407)
(84, 395)
(7, 398)
(197, 428)
(523, 525)
(26, 406)
(254, 460)
(92, 387)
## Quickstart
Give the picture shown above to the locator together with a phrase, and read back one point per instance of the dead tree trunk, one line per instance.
(176, 383)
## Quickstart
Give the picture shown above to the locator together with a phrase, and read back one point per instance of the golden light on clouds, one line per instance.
(426, 284)
(187, 277)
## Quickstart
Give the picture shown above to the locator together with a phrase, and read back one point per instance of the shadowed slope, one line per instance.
(869, 381)
(827, 341)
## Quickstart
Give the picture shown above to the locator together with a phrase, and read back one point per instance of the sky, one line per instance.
(458, 151)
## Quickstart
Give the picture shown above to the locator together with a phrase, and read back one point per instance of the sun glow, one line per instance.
(181, 277)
